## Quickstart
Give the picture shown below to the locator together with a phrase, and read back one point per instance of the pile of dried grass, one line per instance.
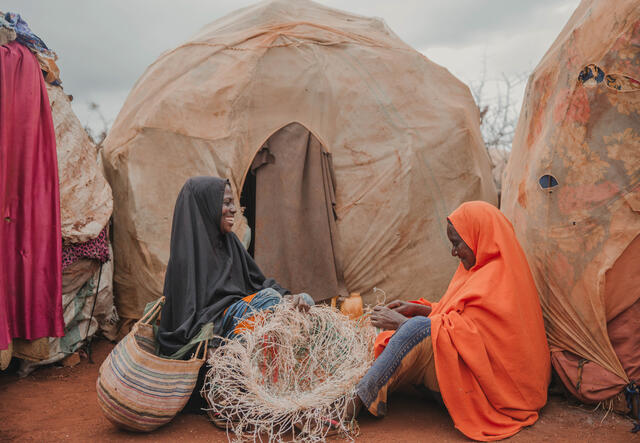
(289, 375)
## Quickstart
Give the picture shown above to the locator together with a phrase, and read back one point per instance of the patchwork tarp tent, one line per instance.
(572, 191)
(351, 148)
(85, 209)
(76, 282)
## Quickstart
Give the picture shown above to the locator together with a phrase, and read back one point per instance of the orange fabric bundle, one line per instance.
(490, 350)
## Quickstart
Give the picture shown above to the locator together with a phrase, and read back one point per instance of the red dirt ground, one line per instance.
(58, 403)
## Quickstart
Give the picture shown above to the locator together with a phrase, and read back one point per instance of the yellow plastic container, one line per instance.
(352, 306)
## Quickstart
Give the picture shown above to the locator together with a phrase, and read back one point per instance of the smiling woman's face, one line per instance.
(460, 248)
(228, 211)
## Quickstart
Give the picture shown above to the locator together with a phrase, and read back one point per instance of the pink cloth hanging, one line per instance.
(30, 238)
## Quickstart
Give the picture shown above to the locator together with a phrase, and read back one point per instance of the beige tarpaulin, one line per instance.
(402, 131)
(572, 191)
(85, 195)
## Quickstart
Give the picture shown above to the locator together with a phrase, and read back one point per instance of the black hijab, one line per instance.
(207, 270)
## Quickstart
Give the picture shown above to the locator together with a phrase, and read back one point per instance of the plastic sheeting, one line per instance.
(402, 131)
(85, 196)
(79, 305)
(572, 191)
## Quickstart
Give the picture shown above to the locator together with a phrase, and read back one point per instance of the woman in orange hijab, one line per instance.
(483, 346)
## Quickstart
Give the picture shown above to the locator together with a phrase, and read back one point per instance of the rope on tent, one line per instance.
(95, 300)
(294, 374)
(381, 299)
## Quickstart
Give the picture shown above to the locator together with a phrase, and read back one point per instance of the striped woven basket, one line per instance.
(140, 391)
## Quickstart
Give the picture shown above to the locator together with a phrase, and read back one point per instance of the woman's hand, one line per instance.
(409, 309)
(297, 302)
(385, 318)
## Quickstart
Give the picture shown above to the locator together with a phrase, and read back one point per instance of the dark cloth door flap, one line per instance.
(295, 229)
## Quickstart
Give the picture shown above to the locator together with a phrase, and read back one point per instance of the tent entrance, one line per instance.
(289, 200)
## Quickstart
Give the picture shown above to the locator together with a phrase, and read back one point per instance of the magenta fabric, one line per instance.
(30, 236)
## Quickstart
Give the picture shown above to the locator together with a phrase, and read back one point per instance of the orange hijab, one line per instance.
(490, 349)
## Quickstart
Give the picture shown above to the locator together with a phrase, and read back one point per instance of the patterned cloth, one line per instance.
(13, 27)
(239, 316)
(97, 248)
(25, 36)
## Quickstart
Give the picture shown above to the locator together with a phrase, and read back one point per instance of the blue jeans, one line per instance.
(411, 334)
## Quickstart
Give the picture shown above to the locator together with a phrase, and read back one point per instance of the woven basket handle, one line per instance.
(152, 314)
(204, 352)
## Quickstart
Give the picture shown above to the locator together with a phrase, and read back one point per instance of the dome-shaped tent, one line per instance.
(398, 136)
(572, 191)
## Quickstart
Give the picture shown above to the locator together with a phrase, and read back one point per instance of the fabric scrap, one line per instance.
(7, 35)
(97, 248)
(24, 35)
(50, 69)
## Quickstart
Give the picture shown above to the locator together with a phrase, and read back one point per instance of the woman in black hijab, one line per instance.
(210, 277)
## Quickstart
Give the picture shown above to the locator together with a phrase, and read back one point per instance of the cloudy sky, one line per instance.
(104, 46)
